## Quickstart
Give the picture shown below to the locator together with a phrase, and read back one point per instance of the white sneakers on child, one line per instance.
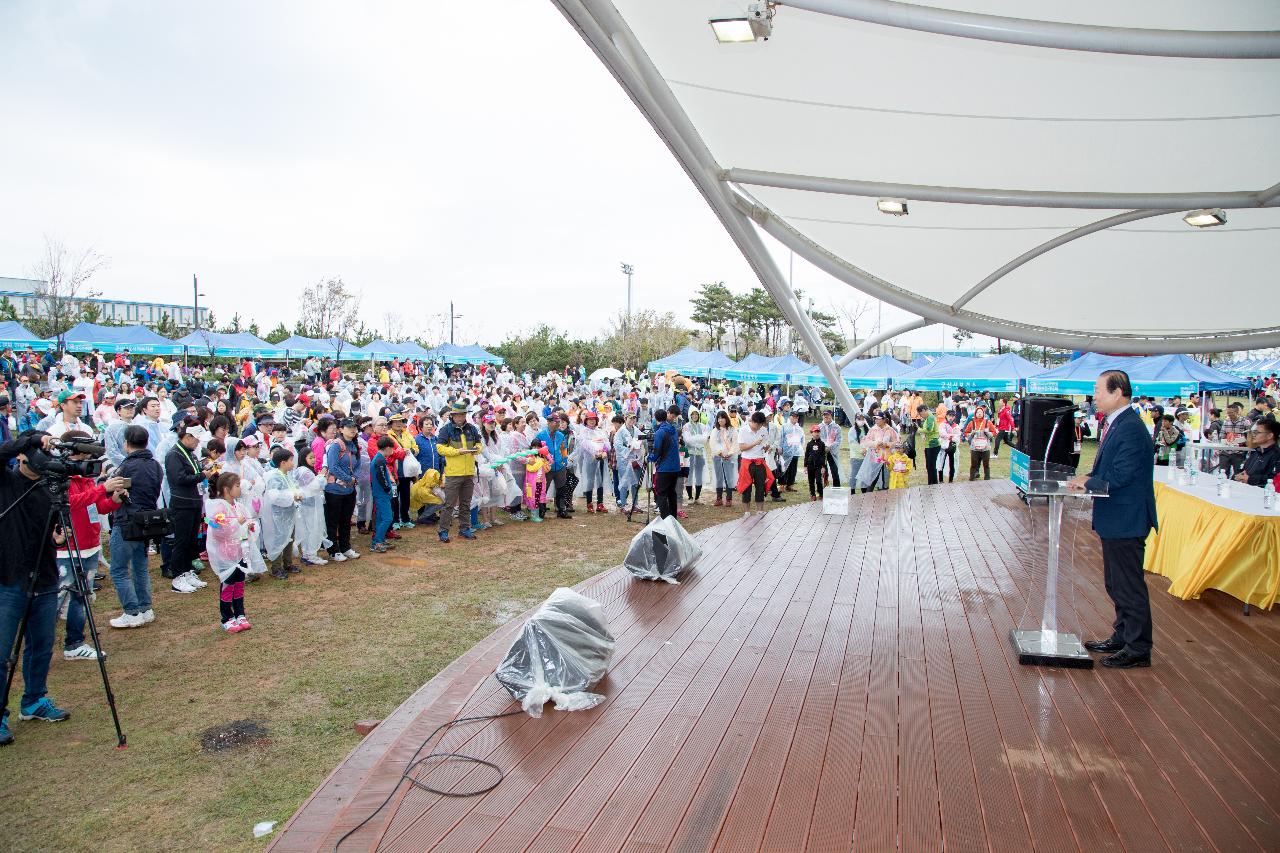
(350, 554)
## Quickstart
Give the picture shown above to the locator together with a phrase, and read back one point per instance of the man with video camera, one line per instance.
(26, 527)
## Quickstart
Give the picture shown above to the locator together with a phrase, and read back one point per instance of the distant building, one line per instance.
(21, 293)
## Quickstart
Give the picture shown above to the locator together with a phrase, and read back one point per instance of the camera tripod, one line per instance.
(60, 518)
(648, 500)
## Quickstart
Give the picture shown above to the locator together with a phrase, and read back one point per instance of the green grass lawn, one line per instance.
(334, 645)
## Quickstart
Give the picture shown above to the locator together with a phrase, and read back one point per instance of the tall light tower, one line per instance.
(627, 270)
(195, 290)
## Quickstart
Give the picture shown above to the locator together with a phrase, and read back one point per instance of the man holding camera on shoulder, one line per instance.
(26, 528)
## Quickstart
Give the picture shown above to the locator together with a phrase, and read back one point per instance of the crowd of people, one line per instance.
(241, 471)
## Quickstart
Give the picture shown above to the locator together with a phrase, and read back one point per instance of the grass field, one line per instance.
(335, 644)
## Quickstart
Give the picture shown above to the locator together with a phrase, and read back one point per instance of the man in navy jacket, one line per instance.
(1124, 466)
(666, 456)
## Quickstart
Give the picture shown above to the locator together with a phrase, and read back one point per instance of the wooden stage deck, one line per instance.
(827, 683)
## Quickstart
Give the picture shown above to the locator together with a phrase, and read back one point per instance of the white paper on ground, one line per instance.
(835, 501)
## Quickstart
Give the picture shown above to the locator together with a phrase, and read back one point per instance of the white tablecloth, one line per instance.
(1243, 498)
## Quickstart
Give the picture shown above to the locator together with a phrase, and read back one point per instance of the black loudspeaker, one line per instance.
(1039, 414)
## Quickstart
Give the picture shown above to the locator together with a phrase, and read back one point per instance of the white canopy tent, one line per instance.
(1046, 165)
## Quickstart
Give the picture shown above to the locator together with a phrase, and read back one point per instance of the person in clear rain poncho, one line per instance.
(280, 502)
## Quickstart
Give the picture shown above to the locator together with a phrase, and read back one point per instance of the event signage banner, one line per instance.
(1020, 470)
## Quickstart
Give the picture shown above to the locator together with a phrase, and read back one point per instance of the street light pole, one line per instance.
(195, 292)
(451, 318)
(627, 270)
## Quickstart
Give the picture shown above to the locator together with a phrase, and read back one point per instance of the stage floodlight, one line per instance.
(1206, 218)
(756, 24)
(892, 206)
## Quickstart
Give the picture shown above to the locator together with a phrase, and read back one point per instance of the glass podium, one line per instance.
(1042, 637)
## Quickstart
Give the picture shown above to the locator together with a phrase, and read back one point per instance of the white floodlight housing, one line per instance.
(755, 25)
(1206, 218)
(892, 206)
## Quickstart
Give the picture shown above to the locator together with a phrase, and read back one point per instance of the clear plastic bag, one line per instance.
(564, 648)
(662, 551)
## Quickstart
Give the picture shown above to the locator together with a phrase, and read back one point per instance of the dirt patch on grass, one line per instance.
(233, 735)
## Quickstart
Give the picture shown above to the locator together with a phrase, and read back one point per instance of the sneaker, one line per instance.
(338, 558)
(194, 580)
(6, 736)
(681, 514)
(444, 536)
(484, 525)
(591, 507)
(181, 585)
(407, 525)
(148, 616)
(395, 525)
(719, 502)
(351, 555)
(600, 508)
(468, 534)
(231, 626)
(519, 516)
(244, 623)
(126, 620)
(381, 548)
(151, 550)
(82, 652)
(45, 711)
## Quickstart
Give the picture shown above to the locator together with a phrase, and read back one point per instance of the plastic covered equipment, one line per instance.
(564, 648)
(662, 551)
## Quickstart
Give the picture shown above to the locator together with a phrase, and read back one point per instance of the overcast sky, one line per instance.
(423, 151)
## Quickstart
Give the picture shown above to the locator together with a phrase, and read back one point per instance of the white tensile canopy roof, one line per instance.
(1003, 135)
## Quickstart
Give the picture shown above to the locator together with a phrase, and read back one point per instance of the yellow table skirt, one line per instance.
(1203, 546)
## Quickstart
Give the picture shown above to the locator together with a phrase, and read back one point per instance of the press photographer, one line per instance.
(90, 501)
(26, 527)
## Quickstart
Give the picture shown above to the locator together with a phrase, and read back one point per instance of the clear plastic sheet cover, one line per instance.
(662, 551)
(563, 650)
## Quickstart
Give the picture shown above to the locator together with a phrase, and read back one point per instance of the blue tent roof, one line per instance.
(1006, 372)
(937, 366)
(14, 334)
(766, 369)
(872, 373)
(297, 346)
(715, 359)
(1160, 375)
(743, 370)
(383, 350)
(229, 345)
(479, 355)
(84, 337)
(458, 354)
(679, 360)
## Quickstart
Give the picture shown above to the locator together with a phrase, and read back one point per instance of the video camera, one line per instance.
(59, 463)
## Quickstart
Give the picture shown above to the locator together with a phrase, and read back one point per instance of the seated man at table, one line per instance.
(1263, 462)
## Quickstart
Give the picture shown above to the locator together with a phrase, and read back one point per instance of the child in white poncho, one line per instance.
(280, 503)
(228, 545)
(242, 459)
(309, 535)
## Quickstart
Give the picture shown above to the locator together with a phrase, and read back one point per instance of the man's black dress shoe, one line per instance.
(1107, 646)
(1125, 659)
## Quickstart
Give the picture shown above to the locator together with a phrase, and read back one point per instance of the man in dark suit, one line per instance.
(1124, 466)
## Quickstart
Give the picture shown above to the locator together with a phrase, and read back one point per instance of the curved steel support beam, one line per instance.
(1005, 198)
(1191, 44)
(871, 343)
(1050, 245)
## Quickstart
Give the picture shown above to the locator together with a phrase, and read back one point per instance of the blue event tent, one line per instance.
(84, 337)
(937, 367)
(679, 360)
(692, 362)
(300, 347)
(761, 368)
(384, 350)
(1006, 372)
(458, 354)
(229, 345)
(14, 334)
(1159, 375)
(870, 373)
